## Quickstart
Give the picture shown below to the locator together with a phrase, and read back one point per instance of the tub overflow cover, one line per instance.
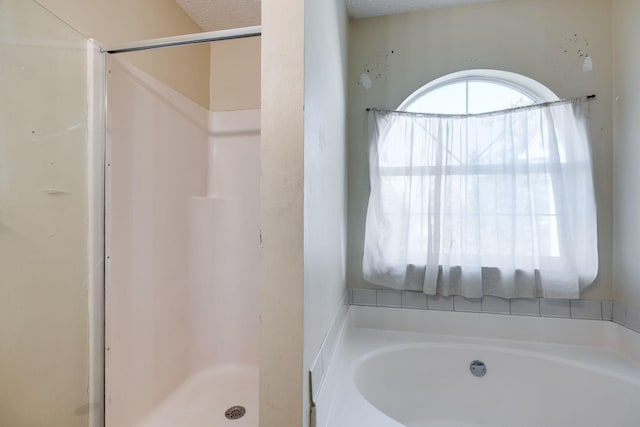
(478, 368)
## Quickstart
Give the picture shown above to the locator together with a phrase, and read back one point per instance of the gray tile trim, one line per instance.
(586, 309)
(473, 305)
(622, 315)
(438, 302)
(564, 308)
(365, 296)
(632, 320)
(389, 299)
(525, 306)
(555, 308)
(414, 300)
(323, 357)
(619, 313)
(607, 310)
(495, 305)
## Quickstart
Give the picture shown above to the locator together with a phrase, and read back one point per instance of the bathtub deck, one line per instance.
(202, 400)
(371, 331)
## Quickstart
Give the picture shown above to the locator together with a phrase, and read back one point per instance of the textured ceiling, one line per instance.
(366, 8)
(214, 15)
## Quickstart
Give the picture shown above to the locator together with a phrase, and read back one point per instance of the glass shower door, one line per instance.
(50, 222)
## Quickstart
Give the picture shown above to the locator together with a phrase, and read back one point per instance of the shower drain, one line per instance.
(235, 412)
(478, 368)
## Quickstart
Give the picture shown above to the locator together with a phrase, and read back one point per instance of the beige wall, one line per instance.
(281, 214)
(235, 75)
(325, 202)
(626, 137)
(44, 221)
(537, 38)
(186, 69)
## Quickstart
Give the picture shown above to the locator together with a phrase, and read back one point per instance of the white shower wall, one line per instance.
(183, 241)
(224, 244)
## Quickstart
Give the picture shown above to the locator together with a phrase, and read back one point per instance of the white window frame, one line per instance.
(525, 85)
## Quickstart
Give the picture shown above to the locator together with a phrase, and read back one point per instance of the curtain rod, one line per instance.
(211, 36)
(517, 108)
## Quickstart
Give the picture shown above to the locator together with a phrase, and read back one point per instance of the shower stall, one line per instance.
(129, 236)
(182, 255)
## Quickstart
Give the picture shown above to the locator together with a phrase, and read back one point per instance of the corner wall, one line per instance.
(541, 39)
(235, 75)
(626, 138)
(281, 213)
(325, 201)
(116, 21)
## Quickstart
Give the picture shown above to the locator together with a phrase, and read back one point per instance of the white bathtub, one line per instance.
(400, 367)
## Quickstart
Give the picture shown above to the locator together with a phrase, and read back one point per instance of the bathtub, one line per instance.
(401, 367)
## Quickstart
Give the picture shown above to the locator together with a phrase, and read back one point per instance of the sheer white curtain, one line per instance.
(495, 204)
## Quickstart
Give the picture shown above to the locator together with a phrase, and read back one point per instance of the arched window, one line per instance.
(481, 185)
(475, 92)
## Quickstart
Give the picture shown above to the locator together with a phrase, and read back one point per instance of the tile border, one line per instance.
(324, 356)
(537, 307)
(626, 316)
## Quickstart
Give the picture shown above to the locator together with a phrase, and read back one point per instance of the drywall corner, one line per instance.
(281, 214)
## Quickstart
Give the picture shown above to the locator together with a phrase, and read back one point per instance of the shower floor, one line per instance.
(202, 400)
